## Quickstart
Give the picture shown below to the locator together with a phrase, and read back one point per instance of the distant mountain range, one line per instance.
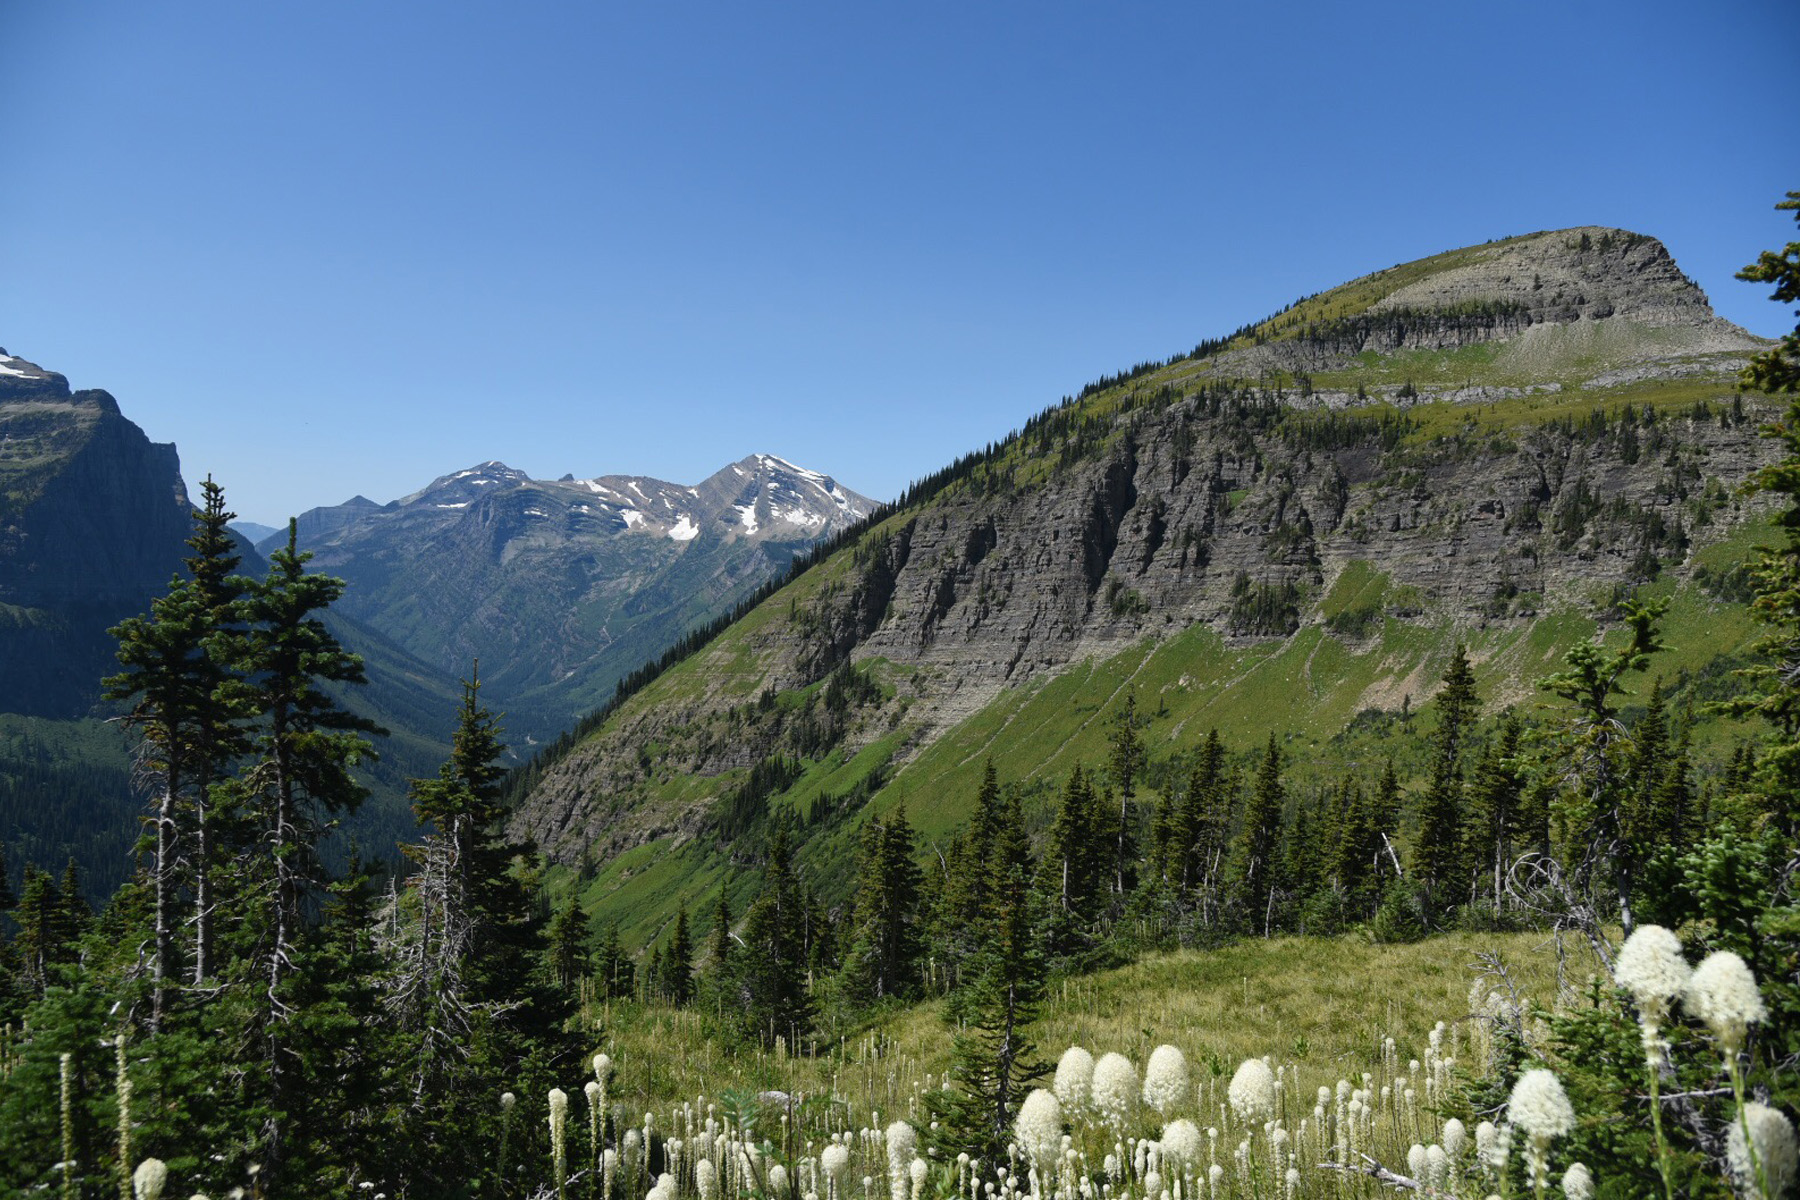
(558, 588)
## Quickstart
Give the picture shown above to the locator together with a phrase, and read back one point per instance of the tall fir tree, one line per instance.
(993, 1059)
(771, 974)
(884, 958)
(1127, 762)
(306, 745)
(1254, 862)
(1437, 847)
(678, 964)
(1493, 817)
(175, 677)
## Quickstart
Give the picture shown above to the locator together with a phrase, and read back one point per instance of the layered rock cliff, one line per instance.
(1450, 477)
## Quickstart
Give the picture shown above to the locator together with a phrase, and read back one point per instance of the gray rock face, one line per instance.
(92, 519)
(1184, 499)
(1500, 292)
(561, 587)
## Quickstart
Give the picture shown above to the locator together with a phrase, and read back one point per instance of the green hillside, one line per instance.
(1320, 644)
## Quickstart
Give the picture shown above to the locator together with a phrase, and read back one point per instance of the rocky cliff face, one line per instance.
(560, 587)
(1408, 480)
(1552, 287)
(92, 519)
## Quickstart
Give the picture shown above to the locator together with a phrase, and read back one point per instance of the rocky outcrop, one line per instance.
(1497, 293)
(1183, 497)
(92, 519)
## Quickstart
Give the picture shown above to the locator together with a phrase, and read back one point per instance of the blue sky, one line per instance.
(346, 247)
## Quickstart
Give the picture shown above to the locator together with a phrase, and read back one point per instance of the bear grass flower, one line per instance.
(1165, 1079)
(1541, 1109)
(1181, 1145)
(901, 1142)
(1722, 993)
(1774, 1162)
(1651, 968)
(1252, 1091)
(1578, 1182)
(148, 1181)
(1115, 1088)
(1074, 1078)
(1039, 1129)
(1456, 1137)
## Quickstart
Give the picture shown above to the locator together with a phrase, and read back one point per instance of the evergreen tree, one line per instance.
(1494, 817)
(719, 941)
(305, 746)
(174, 676)
(568, 951)
(884, 960)
(1075, 864)
(1596, 763)
(1354, 854)
(1253, 862)
(678, 964)
(613, 968)
(1436, 849)
(993, 1058)
(1199, 823)
(1127, 761)
(771, 974)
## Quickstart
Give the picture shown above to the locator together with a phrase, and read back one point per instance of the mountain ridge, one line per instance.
(1390, 496)
(560, 587)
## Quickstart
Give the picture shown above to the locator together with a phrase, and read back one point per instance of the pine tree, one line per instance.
(1074, 863)
(1596, 763)
(771, 975)
(1199, 822)
(884, 961)
(174, 674)
(1436, 849)
(1127, 761)
(1253, 865)
(678, 964)
(305, 746)
(993, 1058)
(1354, 853)
(1493, 819)
(719, 940)
(568, 945)
(613, 968)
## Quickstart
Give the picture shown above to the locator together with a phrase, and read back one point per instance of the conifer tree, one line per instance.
(678, 964)
(174, 674)
(305, 747)
(1253, 864)
(1199, 825)
(1127, 761)
(884, 960)
(1354, 853)
(1596, 767)
(993, 1058)
(613, 967)
(1074, 855)
(1436, 849)
(771, 974)
(719, 940)
(568, 945)
(1494, 817)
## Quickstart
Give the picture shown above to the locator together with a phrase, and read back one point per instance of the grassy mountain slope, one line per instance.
(1286, 531)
